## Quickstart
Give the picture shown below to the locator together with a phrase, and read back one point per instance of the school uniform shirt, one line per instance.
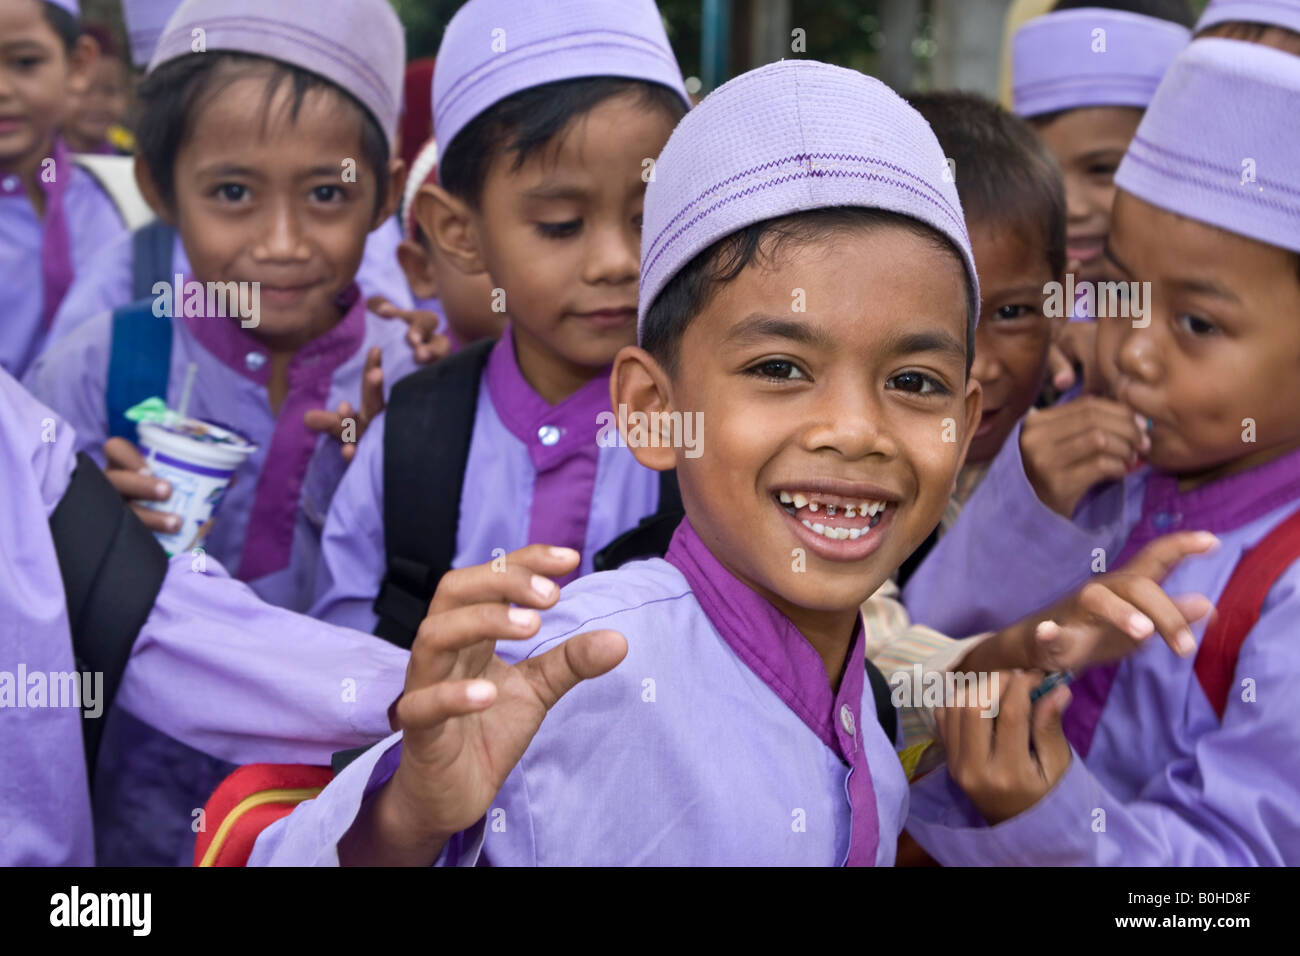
(213, 665)
(106, 281)
(535, 473)
(1156, 777)
(267, 529)
(717, 741)
(41, 255)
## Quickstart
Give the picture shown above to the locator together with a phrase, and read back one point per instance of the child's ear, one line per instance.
(449, 224)
(417, 262)
(638, 383)
(150, 191)
(81, 63)
(393, 199)
(974, 405)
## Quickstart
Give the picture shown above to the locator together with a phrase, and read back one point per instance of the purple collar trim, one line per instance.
(1218, 506)
(526, 414)
(240, 351)
(774, 649)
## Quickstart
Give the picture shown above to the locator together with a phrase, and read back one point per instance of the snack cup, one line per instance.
(199, 459)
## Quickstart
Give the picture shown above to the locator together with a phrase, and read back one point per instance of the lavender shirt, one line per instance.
(517, 489)
(717, 741)
(268, 528)
(105, 282)
(84, 220)
(213, 665)
(1163, 781)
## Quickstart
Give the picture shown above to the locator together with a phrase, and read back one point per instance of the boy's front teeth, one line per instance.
(859, 509)
(835, 534)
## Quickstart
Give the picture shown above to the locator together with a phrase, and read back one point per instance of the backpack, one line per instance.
(428, 425)
(139, 362)
(112, 569)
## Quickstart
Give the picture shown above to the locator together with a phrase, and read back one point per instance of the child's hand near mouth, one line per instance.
(1071, 447)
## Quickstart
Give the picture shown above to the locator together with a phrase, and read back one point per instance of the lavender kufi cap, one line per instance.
(72, 6)
(786, 138)
(1274, 13)
(1216, 145)
(357, 45)
(493, 49)
(145, 20)
(1090, 57)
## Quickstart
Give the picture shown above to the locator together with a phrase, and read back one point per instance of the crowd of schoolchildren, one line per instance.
(986, 397)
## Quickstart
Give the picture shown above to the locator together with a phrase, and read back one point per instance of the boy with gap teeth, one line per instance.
(733, 664)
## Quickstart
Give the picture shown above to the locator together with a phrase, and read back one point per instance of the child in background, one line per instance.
(53, 216)
(1195, 762)
(739, 668)
(451, 308)
(285, 221)
(1010, 189)
(126, 269)
(97, 113)
(1274, 23)
(246, 148)
(1082, 78)
(542, 180)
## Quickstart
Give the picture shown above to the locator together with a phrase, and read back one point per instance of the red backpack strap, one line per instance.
(1239, 607)
(249, 801)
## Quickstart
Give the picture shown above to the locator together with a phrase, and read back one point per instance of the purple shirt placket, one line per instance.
(561, 443)
(269, 540)
(1217, 507)
(774, 649)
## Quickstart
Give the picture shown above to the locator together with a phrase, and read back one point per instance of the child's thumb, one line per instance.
(1048, 734)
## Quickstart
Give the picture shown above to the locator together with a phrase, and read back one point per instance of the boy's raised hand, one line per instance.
(345, 423)
(1068, 448)
(129, 475)
(466, 715)
(1007, 763)
(426, 344)
(1075, 345)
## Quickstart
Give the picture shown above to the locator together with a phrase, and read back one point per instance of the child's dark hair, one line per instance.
(530, 120)
(1175, 11)
(1005, 175)
(691, 289)
(169, 95)
(63, 23)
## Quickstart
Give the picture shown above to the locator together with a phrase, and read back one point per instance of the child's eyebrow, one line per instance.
(760, 326)
(1208, 287)
(227, 169)
(555, 191)
(909, 343)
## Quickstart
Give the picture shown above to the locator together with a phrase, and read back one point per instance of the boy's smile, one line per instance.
(1216, 368)
(812, 417)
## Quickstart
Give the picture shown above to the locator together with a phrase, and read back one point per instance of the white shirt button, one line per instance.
(548, 435)
(846, 718)
(254, 361)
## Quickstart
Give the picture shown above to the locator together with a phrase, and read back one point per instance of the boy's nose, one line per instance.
(613, 256)
(282, 237)
(848, 421)
(1139, 354)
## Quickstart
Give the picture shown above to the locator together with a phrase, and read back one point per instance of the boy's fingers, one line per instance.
(555, 673)
(1050, 743)
(1159, 607)
(133, 486)
(160, 521)
(1012, 737)
(1103, 604)
(319, 420)
(120, 453)
(1060, 368)
(427, 707)
(510, 579)
(1158, 558)
(464, 627)
(1094, 443)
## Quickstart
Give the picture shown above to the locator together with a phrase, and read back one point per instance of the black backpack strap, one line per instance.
(112, 569)
(427, 429)
(886, 712)
(651, 536)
